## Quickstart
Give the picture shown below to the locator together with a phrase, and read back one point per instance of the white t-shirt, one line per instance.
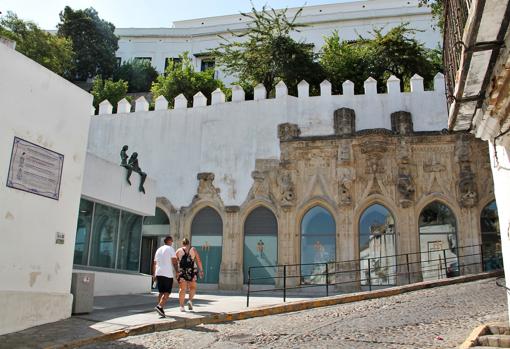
(163, 259)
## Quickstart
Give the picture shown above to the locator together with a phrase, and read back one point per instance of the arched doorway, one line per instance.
(438, 242)
(377, 246)
(207, 238)
(154, 230)
(260, 245)
(491, 239)
(318, 244)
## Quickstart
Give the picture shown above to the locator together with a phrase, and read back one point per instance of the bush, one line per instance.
(108, 89)
(139, 75)
(181, 77)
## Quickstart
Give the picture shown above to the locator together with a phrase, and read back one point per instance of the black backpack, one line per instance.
(187, 266)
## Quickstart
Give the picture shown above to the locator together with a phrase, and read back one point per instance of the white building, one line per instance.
(43, 141)
(198, 36)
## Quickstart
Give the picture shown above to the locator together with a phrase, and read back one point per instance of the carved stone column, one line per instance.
(231, 270)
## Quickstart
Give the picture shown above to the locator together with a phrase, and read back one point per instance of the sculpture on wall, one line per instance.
(468, 196)
(206, 187)
(286, 190)
(405, 188)
(131, 164)
(344, 193)
(402, 123)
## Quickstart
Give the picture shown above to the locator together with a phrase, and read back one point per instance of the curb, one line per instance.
(280, 309)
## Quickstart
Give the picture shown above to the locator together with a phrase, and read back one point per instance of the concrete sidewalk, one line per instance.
(116, 317)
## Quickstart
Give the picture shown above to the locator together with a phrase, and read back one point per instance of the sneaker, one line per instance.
(190, 305)
(160, 310)
(182, 309)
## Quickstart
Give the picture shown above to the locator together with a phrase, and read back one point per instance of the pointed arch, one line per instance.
(260, 248)
(206, 231)
(437, 226)
(491, 238)
(377, 245)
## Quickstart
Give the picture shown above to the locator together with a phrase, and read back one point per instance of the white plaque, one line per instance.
(35, 169)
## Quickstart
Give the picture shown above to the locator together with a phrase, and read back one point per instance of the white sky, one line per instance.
(141, 13)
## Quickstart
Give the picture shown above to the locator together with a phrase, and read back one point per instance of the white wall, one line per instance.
(105, 182)
(500, 161)
(226, 138)
(41, 107)
(110, 284)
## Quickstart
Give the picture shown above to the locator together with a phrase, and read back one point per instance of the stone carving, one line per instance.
(405, 187)
(287, 195)
(288, 131)
(260, 188)
(344, 152)
(232, 209)
(344, 191)
(344, 122)
(206, 187)
(462, 149)
(468, 196)
(433, 165)
(402, 123)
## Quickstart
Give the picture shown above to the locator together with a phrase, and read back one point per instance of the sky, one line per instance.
(141, 13)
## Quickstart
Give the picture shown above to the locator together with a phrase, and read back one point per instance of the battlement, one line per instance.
(238, 94)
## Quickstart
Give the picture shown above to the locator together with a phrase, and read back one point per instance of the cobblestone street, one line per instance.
(434, 318)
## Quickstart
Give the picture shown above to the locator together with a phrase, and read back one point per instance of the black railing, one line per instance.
(373, 272)
(455, 16)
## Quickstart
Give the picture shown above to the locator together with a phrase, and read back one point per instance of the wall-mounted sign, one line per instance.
(59, 238)
(35, 169)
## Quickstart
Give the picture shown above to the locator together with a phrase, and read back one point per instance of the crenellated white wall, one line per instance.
(225, 138)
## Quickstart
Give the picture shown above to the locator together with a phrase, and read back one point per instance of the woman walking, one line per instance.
(188, 260)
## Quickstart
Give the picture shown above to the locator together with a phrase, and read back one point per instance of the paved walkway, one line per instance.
(120, 316)
(114, 313)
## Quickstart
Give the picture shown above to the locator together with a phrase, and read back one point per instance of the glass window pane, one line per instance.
(377, 246)
(438, 242)
(260, 246)
(207, 238)
(104, 237)
(129, 241)
(491, 239)
(318, 244)
(81, 244)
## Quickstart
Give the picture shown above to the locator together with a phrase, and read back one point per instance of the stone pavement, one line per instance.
(116, 317)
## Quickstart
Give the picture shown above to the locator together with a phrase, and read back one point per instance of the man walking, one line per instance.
(165, 262)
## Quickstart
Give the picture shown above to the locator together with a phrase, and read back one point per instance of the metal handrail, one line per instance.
(465, 257)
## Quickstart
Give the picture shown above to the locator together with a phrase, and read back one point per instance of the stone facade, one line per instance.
(346, 173)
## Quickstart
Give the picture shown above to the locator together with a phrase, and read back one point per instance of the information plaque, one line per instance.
(35, 169)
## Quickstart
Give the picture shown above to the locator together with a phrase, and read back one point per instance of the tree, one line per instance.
(383, 55)
(108, 89)
(94, 42)
(53, 52)
(181, 77)
(139, 75)
(266, 53)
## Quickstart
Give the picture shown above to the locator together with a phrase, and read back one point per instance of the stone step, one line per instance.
(495, 340)
(499, 329)
(477, 347)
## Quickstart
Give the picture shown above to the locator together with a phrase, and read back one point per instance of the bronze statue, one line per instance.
(134, 167)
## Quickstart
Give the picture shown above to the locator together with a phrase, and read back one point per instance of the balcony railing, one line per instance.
(455, 17)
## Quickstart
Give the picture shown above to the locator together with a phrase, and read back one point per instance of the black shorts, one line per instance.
(164, 284)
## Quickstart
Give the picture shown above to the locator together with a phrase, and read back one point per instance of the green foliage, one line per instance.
(139, 75)
(53, 52)
(267, 53)
(383, 55)
(94, 42)
(108, 89)
(181, 77)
